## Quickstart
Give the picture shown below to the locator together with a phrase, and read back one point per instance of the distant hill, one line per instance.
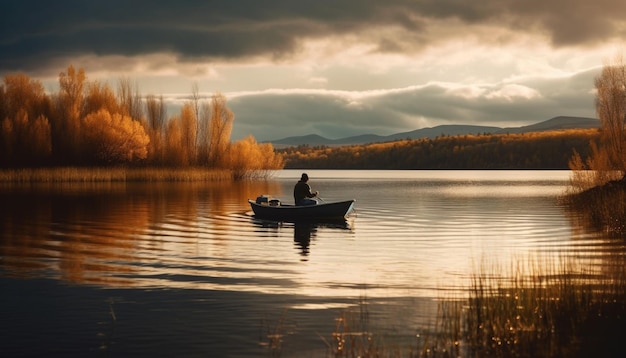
(555, 123)
(449, 129)
(311, 139)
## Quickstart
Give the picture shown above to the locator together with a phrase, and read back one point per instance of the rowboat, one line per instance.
(274, 210)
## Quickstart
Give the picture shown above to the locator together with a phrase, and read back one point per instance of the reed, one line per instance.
(272, 334)
(601, 208)
(554, 309)
(357, 335)
(352, 336)
(118, 174)
(558, 307)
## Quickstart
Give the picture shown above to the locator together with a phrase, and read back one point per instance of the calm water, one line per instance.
(186, 270)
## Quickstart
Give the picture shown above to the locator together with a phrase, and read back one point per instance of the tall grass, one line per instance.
(545, 310)
(563, 307)
(560, 307)
(101, 174)
(600, 208)
(352, 336)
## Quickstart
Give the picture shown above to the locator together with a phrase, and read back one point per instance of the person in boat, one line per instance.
(302, 192)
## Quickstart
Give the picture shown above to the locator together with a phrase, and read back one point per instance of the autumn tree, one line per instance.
(188, 128)
(21, 93)
(24, 126)
(87, 123)
(174, 153)
(66, 127)
(220, 128)
(195, 101)
(7, 141)
(3, 109)
(129, 98)
(608, 157)
(247, 158)
(611, 109)
(99, 96)
(204, 119)
(115, 138)
(24, 140)
(156, 114)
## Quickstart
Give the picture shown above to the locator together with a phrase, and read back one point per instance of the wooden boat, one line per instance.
(274, 210)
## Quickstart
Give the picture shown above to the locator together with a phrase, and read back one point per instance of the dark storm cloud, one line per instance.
(34, 33)
(572, 22)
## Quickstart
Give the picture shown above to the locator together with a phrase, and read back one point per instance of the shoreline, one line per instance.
(117, 174)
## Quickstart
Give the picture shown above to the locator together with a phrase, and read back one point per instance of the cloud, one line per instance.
(335, 68)
(274, 114)
(511, 92)
(571, 22)
(33, 33)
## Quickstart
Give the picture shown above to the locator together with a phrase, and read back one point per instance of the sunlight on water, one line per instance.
(414, 234)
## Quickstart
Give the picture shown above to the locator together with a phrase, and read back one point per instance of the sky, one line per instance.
(332, 68)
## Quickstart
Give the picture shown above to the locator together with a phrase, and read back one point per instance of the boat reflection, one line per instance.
(305, 230)
(302, 232)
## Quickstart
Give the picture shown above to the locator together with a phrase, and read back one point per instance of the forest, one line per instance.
(87, 123)
(537, 150)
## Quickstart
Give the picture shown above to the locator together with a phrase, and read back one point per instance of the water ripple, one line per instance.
(423, 235)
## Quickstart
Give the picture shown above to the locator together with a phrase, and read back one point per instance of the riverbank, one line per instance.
(117, 174)
(602, 207)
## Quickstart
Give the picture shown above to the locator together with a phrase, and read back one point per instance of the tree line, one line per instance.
(89, 123)
(539, 150)
(596, 156)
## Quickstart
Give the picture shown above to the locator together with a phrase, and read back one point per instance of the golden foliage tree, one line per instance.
(607, 161)
(247, 158)
(99, 96)
(188, 127)
(25, 129)
(204, 118)
(7, 141)
(115, 138)
(611, 109)
(67, 125)
(90, 124)
(220, 128)
(3, 109)
(155, 122)
(41, 138)
(25, 140)
(174, 153)
(22, 93)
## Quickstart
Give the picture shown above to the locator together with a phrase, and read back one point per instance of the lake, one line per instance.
(184, 269)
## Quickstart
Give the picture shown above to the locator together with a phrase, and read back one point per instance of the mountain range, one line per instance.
(556, 123)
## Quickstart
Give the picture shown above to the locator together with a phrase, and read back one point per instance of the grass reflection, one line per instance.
(562, 308)
(119, 174)
(601, 208)
(545, 311)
